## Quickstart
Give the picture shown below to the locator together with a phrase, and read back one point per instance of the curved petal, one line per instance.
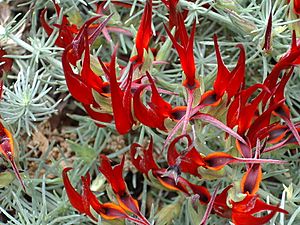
(146, 163)
(251, 180)
(189, 161)
(217, 160)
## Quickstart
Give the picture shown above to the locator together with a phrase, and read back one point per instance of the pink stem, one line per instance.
(274, 147)
(188, 110)
(292, 128)
(137, 221)
(17, 173)
(249, 160)
(210, 206)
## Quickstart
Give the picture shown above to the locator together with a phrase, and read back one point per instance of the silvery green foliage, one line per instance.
(40, 207)
(26, 100)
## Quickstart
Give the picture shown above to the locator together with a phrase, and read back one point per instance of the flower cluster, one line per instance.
(127, 205)
(257, 117)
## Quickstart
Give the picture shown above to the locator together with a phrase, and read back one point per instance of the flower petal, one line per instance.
(114, 176)
(158, 109)
(146, 163)
(144, 33)
(217, 160)
(251, 180)
(189, 161)
(74, 197)
(121, 100)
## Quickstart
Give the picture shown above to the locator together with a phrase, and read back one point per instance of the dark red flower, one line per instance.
(252, 178)
(279, 135)
(268, 34)
(217, 160)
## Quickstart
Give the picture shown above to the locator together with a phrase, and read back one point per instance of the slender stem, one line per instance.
(210, 206)
(142, 217)
(137, 221)
(188, 110)
(247, 160)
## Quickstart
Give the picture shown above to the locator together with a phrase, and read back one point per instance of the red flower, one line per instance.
(115, 177)
(226, 81)
(83, 202)
(79, 202)
(272, 100)
(7, 149)
(175, 15)
(158, 110)
(80, 85)
(282, 110)
(185, 50)
(296, 6)
(188, 161)
(144, 33)
(241, 112)
(169, 178)
(5, 63)
(287, 61)
(121, 99)
(242, 213)
(66, 30)
(172, 6)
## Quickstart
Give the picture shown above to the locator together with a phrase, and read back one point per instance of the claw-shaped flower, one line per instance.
(83, 202)
(242, 212)
(158, 110)
(7, 149)
(168, 178)
(226, 81)
(144, 33)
